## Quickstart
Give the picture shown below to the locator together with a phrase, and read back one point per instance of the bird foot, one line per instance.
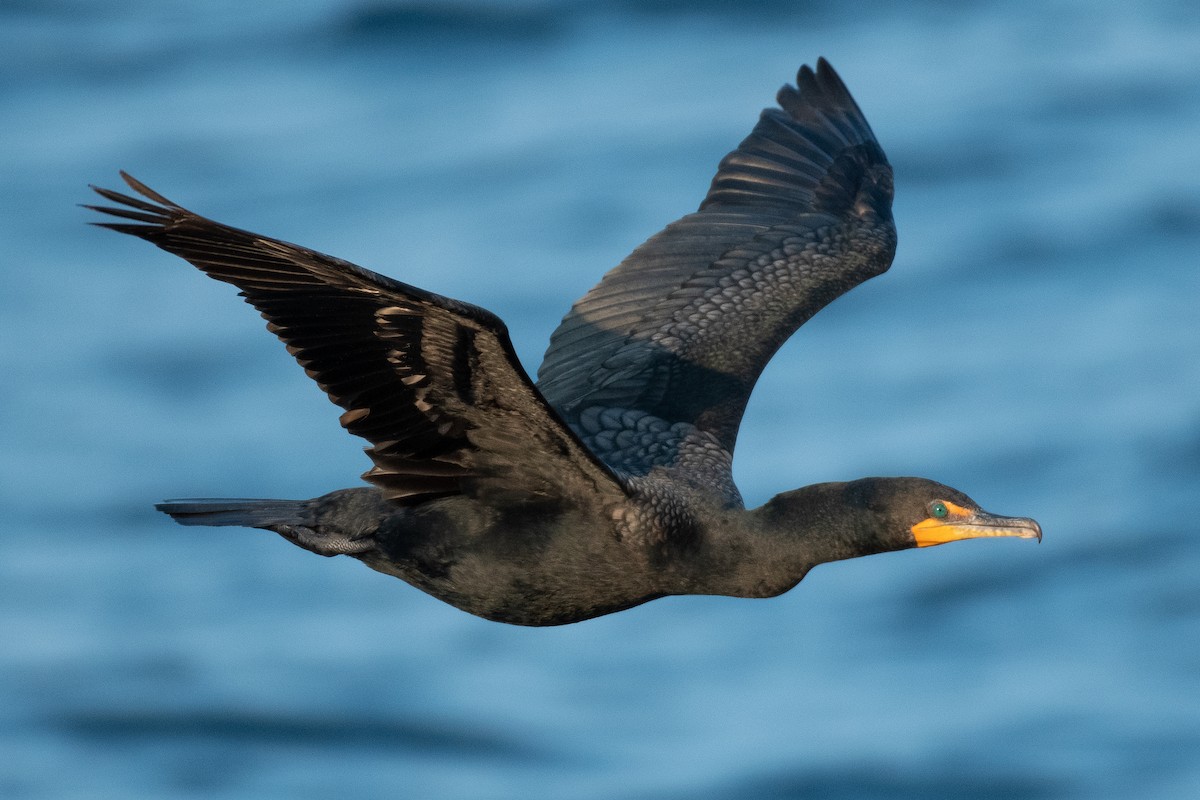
(325, 543)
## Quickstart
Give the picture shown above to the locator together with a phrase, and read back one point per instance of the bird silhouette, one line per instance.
(607, 483)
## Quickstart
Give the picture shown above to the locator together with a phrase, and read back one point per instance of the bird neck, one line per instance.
(768, 550)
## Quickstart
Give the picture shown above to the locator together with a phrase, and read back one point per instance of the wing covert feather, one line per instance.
(797, 215)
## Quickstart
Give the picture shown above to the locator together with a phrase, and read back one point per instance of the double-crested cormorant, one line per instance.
(607, 483)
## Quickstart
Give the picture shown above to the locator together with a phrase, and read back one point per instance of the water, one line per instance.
(1035, 344)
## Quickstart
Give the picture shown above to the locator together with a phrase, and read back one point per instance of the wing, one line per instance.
(432, 383)
(799, 214)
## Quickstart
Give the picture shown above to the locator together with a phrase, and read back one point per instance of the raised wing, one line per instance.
(799, 214)
(432, 383)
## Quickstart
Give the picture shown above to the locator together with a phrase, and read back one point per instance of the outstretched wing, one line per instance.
(432, 383)
(799, 214)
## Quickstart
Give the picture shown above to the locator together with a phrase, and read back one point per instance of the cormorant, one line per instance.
(607, 483)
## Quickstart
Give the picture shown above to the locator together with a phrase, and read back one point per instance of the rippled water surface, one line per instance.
(1037, 344)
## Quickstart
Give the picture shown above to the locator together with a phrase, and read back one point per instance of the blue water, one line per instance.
(1037, 344)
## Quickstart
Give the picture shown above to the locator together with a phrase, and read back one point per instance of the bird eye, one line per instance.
(938, 510)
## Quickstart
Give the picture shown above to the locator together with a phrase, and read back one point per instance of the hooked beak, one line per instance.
(964, 524)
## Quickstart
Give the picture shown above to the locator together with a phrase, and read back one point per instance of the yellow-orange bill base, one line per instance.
(961, 523)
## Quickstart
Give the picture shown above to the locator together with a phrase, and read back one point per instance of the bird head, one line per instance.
(877, 515)
(916, 512)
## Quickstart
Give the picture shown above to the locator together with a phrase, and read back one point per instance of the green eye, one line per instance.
(938, 510)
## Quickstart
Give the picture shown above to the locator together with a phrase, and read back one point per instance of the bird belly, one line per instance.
(537, 567)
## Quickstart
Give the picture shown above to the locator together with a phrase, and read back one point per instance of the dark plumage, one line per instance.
(608, 483)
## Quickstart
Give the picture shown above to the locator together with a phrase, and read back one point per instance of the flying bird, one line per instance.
(607, 483)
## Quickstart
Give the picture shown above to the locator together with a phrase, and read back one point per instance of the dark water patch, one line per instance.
(1014, 462)
(788, 12)
(1177, 215)
(1176, 604)
(125, 514)
(439, 22)
(995, 581)
(1151, 749)
(1109, 97)
(1176, 455)
(1034, 248)
(1140, 554)
(1137, 550)
(868, 781)
(73, 43)
(178, 373)
(534, 22)
(776, 10)
(131, 517)
(1103, 245)
(954, 162)
(127, 517)
(300, 731)
(74, 10)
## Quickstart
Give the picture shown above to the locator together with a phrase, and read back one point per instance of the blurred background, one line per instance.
(1037, 344)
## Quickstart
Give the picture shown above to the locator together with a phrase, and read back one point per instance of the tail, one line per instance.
(339, 523)
(270, 515)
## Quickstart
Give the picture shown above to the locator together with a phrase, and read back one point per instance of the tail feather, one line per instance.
(267, 514)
